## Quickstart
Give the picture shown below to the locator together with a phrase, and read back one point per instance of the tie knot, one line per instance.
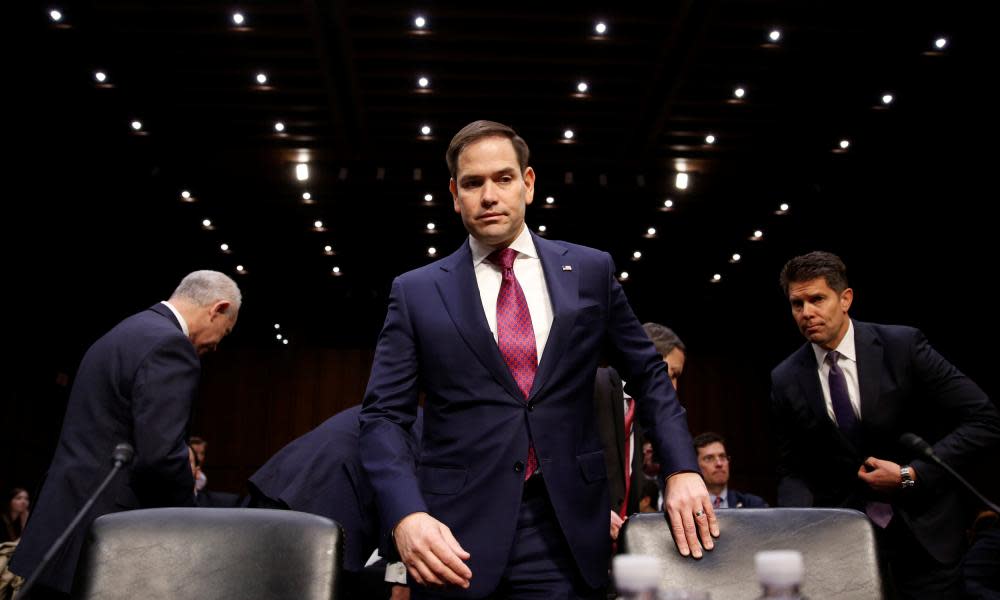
(503, 258)
(832, 357)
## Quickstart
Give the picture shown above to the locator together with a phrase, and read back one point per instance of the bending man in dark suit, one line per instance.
(509, 494)
(136, 384)
(321, 473)
(840, 404)
(623, 442)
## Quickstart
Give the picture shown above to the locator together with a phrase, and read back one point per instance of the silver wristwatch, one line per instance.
(907, 477)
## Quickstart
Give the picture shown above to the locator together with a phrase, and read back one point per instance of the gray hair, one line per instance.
(207, 287)
(663, 338)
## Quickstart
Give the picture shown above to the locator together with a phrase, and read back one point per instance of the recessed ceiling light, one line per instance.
(681, 181)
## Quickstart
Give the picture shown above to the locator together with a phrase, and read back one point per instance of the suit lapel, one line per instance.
(563, 293)
(869, 351)
(456, 283)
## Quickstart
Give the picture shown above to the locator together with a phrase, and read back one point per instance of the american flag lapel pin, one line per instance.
(567, 267)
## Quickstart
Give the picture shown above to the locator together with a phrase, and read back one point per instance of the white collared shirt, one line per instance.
(723, 498)
(528, 270)
(180, 319)
(849, 364)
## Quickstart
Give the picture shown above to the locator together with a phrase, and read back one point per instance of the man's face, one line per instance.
(199, 452)
(714, 463)
(491, 192)
(675, 364)
(217, 321)
(819, 311)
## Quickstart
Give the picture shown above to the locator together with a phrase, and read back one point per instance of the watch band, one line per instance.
(907, 477)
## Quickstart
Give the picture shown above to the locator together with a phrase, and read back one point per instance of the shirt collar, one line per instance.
(845, 347)
(522, 243)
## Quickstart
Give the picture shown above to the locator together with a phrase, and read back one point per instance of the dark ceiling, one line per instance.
(108, 232)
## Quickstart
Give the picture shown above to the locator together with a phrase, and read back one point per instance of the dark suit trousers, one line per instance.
(909, 571)
(540, 566)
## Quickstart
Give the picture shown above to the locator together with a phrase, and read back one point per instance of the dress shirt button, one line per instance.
(518, 467)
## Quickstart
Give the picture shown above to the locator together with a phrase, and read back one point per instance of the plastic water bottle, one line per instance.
(637, 576)
(780, 574)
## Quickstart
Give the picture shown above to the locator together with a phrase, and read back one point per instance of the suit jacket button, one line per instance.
(531, 406)
(518, 467)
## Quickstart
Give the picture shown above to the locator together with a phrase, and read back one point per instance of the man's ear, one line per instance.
(221, 308)
(453, 188)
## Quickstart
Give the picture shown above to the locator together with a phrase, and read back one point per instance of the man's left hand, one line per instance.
(880, 475)
(689, 509)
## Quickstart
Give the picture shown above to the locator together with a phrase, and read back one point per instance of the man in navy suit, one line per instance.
(509, 494)
(714, 462)
(840, 404)
(321, 473)
(136, 384)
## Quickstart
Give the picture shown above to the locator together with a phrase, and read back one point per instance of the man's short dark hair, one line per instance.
(704, 439)
(195, 441)
(649, 490)
(663, 338)
(813, 266)
(478, 130)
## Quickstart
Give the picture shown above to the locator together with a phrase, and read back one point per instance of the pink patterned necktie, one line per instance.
(515, 335)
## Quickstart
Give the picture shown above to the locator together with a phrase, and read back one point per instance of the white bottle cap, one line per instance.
(637, 572)
(779, 567)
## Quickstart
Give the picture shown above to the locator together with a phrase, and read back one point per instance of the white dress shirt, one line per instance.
(849, 365)
(180, 319)
(528, 270)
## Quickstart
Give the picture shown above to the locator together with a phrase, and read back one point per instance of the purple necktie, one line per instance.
(515, 335)
(879, 512)
(841, 400)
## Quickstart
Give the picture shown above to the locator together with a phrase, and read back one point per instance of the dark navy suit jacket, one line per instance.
(736, 499)
(609, 404)
(321, 473)
(906, 386)
(136, 384)
(477, 424)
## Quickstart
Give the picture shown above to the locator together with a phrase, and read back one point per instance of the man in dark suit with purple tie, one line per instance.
(508, 496)
(839, 405)
(136, 384)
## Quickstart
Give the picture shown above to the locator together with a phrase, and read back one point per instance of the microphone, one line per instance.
(121, 456)
(914, 442)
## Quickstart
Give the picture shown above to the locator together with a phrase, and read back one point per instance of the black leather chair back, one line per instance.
(837, 546)
(210, 554)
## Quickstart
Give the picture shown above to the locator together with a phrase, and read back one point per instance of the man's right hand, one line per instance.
(432, 555)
